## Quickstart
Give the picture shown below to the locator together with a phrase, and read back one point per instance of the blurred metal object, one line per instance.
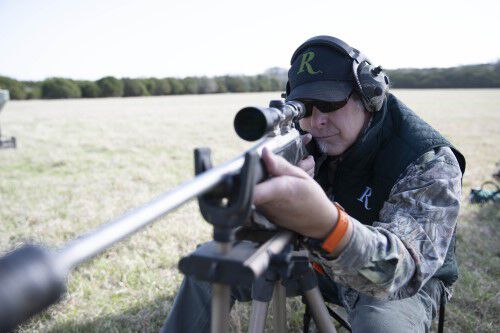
(7, 143)
(30, 280)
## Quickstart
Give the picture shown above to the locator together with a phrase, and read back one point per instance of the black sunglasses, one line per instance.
(323, 107)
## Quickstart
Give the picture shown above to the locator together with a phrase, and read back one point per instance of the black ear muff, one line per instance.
(373, 85)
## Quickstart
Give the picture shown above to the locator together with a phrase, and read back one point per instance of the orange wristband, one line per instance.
(334, 238)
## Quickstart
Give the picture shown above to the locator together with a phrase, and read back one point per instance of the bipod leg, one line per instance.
(258, 317)
(309, 285)
(260, 306)
(221, 299)
(226, 206)
(279, 308)
(319, 311)
(221, 294)
(262, 292)
(267, 286)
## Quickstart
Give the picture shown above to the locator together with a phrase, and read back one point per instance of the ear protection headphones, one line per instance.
(371, 83)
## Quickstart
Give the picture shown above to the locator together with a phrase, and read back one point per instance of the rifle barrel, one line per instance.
(98, 240)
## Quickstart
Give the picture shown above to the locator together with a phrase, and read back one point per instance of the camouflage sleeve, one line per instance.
(396, 256)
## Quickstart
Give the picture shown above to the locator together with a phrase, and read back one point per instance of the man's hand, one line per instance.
(307, 164)
(292, 199)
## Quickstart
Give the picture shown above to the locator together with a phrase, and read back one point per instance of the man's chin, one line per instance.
(329, 149)
(326, 148)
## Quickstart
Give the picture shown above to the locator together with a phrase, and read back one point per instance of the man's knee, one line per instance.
(407, 315)
(374, 319)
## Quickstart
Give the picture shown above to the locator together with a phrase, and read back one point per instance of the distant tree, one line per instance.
(134, 87)
(33, 90)
(15, 88)
(176, 86)
(60, 88)
(277, 84)
(89, 89)
(277, 72)
(190, 85)
(220, 81)
(157, 87)
(150, 85)
(269, 83)
(163, 87)
(263, 83)
(110, 87)
(237, 83)
(496, 71)
(207, 85)
(252, 83)
(496, 67)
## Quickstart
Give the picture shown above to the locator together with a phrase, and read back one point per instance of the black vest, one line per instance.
(371, 167)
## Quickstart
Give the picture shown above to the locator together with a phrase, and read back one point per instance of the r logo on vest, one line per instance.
(365, 196)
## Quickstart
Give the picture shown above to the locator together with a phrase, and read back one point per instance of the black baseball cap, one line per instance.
(320, 72)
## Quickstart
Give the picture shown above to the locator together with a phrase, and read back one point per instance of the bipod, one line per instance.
(238, 257)
(227, 206)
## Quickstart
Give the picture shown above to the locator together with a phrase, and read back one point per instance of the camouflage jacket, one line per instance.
(397, 255)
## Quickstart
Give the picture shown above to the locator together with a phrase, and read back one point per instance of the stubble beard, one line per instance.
(323, 147)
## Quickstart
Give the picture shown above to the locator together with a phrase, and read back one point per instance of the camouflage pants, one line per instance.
(191, 309)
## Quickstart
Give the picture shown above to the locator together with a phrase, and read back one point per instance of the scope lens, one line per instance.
(250, 124)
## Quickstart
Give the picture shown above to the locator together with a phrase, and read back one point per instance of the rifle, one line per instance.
(33, 276)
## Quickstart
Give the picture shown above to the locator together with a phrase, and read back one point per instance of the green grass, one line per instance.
(82, 162)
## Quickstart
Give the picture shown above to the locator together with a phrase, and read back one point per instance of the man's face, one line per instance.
(338, 130)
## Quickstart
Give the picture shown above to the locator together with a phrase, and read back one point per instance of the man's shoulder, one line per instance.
(438, 164)
(437, 155)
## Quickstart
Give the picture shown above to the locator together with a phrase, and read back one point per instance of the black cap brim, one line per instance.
(328, 91)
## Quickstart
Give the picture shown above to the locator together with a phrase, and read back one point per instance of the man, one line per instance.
(386, 247)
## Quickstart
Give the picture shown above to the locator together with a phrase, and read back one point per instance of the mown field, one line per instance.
(82, 162)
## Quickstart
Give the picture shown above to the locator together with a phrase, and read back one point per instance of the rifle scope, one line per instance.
(253, 123)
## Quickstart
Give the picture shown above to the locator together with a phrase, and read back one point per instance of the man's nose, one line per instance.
(318, 118)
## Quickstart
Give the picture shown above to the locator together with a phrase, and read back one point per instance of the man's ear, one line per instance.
(356, 98)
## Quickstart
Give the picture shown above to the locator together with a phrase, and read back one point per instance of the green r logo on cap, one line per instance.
(305, 62)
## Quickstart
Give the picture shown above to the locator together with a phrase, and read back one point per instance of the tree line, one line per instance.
(469, 76)
(53, 88)
(274, 79)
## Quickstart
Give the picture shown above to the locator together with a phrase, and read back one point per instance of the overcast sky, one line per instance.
(89, 39)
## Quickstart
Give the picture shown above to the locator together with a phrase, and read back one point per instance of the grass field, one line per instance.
(82, 162)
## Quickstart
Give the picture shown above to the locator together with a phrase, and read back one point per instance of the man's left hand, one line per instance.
(307, 164)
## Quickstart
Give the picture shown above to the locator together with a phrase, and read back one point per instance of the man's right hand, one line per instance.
(293, 200)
